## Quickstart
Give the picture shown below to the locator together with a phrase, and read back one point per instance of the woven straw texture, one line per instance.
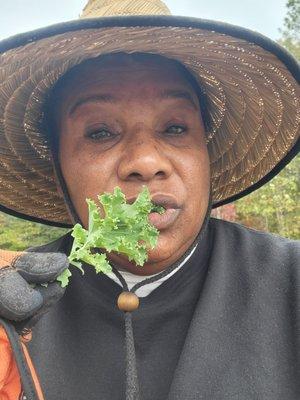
(253, 104)
(96, 8)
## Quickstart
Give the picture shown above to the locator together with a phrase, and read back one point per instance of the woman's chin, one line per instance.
(162, 251)
(157, 259)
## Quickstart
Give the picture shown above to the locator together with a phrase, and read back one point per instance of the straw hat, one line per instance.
(250, 83)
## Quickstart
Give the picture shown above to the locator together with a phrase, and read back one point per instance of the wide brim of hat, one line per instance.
(251, 84)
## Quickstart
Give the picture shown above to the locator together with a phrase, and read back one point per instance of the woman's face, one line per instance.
(130, 123)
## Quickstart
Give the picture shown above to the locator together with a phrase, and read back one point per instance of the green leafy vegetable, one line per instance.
(124, 229)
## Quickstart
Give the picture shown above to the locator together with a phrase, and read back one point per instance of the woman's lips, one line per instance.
(163, 221)
(172, 209)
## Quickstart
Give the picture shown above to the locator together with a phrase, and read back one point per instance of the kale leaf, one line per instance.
(124, 229)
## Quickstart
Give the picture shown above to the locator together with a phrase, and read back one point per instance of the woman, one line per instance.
(200, 112)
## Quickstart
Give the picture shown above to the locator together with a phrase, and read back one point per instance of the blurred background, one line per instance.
(273, 208)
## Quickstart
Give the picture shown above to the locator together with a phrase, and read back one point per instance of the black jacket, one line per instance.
(226, 326)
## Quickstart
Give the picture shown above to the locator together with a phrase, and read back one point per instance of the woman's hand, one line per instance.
(27, 285)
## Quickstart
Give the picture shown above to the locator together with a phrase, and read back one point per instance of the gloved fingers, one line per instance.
(17, 299)
(41, 267)
(51, 295)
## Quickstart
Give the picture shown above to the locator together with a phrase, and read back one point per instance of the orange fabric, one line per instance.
(7, 257)
(33, 374)
(10, 382)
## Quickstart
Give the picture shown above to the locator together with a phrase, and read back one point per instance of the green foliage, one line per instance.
(275, 206)
(291, 33)
(292, 20)
(125, 229)
(292, 46)
(18, 234)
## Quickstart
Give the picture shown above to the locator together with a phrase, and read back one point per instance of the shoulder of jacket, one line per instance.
(241, 230)
(256, 244)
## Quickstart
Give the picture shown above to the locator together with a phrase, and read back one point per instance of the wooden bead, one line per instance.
(26, 336)
(128, 301)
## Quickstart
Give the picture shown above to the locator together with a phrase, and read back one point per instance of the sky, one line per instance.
(263, 16)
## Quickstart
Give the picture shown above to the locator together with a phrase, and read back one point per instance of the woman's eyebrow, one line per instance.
(178, 94)
(99, 98)
(108, 98)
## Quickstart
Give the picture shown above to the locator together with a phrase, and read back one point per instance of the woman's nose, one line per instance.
(144, 160)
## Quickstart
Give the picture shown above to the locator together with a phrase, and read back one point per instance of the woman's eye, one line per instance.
(100, 134)
(176, 129)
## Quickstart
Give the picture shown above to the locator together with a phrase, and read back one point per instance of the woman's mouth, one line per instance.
(171, 213)
(172, 208)
(165, 220)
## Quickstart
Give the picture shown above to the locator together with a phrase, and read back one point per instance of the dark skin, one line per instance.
(144, 128)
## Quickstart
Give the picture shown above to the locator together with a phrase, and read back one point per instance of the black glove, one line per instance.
(23, 300)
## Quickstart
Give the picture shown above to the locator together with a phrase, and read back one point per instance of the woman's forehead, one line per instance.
(123, 70)
(146, 76)
(125, 62)
(125, 76)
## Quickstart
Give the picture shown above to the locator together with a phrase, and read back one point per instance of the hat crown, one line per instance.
(109, 8)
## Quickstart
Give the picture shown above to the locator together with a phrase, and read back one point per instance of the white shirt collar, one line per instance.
(132, 279)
